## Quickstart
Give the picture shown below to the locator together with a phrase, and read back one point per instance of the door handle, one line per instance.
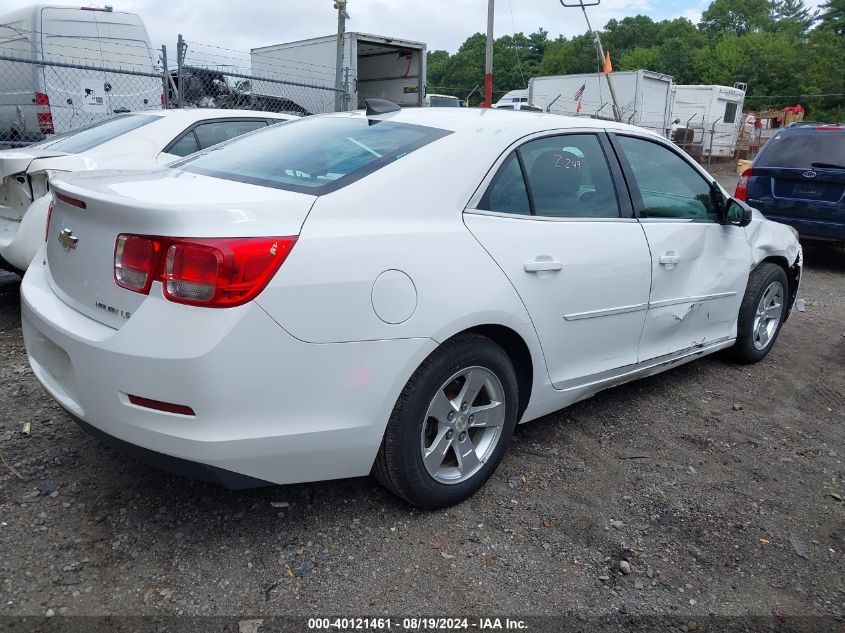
(542, 265)
(669, 259)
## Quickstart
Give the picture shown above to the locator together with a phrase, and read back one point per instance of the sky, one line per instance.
(441, 24)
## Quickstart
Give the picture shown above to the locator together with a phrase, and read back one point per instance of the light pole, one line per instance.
(617, 114)
(488, 58)
(342, 17)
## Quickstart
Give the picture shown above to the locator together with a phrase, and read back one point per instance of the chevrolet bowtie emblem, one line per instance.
(68, 240)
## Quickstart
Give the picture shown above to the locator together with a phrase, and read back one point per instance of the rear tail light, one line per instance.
(49, 219)
(742, 186)
(212, 272)
(135, 257)
(45, 117)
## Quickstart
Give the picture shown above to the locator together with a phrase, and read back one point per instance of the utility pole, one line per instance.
(342, 17)
(617, 114)
(181, 47)
(488, 58)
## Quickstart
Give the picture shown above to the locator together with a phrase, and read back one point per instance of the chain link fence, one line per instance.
(47, 89)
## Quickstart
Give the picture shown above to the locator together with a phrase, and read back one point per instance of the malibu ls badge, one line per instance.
(68, 240)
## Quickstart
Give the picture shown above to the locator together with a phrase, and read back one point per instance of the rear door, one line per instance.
(699, 267)
(557, 220)
(800, 175)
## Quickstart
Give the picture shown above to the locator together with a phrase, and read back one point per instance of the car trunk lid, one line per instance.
(91, 210)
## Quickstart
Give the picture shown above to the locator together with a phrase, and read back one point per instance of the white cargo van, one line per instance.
(378, 67)
(38, 100)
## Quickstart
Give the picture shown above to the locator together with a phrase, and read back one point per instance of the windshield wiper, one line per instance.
(828, 166)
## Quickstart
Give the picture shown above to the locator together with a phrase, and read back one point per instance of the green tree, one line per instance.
(736, 16)
(629, 33)
(833, 16)
(793, 15)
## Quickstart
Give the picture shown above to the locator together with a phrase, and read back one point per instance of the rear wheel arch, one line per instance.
(519, 353)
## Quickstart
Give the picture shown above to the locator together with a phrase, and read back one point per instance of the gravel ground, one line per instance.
(711, 489)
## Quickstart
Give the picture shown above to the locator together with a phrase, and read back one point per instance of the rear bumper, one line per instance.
(267, 406)
(815, 229)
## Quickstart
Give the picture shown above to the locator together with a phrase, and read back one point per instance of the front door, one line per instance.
(558, 222)
(700, 267)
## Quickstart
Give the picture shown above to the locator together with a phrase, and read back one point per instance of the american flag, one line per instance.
(579, 93)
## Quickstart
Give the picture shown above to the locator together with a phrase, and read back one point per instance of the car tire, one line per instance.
(759, 322)
(432, 416)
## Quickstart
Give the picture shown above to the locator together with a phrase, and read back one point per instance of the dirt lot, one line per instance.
(720, 486)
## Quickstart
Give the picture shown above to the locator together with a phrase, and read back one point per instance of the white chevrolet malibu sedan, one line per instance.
(389, 292)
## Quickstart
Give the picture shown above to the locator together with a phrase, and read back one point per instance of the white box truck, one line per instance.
(644, 96)
(378, 67)
(709, 118)
(40, 99)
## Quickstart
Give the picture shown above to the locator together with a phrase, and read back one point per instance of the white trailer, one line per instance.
(374, 67)
(707, 119)
(644, 96)
(39, 99)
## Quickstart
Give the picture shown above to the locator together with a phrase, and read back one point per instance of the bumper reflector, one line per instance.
(157, 405)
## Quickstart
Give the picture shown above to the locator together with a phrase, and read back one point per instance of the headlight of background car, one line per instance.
(40, 182)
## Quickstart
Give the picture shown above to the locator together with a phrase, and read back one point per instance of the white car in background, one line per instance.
(389, 292)
(125, 141)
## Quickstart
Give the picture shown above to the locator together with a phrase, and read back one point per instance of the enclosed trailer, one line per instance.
(374, 67)
(707, 119)
(38, 100)
(644, 96)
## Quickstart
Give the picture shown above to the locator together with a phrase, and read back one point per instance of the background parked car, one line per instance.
(135, 140)
(799, 179)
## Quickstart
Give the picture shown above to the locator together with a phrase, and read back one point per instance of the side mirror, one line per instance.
(736, 213)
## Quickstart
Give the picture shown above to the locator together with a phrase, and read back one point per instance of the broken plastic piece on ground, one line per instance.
(801, 305)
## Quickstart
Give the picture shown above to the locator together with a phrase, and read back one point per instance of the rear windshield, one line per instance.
(802, 149)
(89, 136)
(316, 155)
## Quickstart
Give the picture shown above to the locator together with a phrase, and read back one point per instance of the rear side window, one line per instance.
(316, 155)
(90, 136)
(209, 134)
(507, 193)
(801, 149)
(567, 177)
(730, 113)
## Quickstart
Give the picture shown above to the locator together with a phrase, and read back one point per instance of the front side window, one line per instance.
(90, 136)
(668, 186)
(185, 145)
(315, 155)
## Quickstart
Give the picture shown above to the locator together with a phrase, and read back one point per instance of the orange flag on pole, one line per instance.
(608, 67)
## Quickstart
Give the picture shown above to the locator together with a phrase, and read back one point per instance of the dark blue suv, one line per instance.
(799, 179)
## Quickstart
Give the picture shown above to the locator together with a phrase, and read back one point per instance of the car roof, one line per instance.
(495, 120)
(197, 114)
